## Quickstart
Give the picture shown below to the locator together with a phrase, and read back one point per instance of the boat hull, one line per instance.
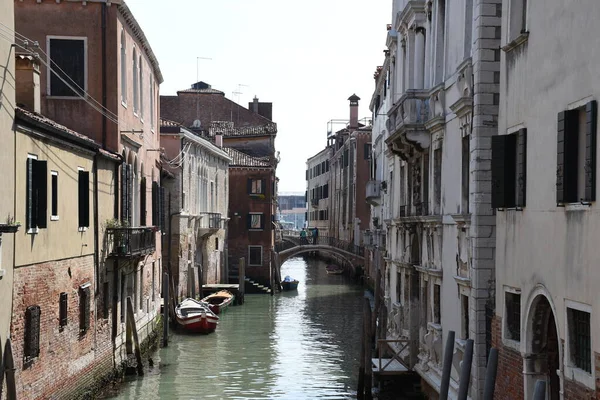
(293, 285)
(198, 324)
(218, 302)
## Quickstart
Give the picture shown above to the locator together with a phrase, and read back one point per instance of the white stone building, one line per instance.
(317, 191)
(196, 177)
(443, 100)
(544, 181)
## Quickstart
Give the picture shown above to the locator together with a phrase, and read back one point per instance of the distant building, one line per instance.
(318, 201)
(291, 210)
(249, 139)
(196, 181)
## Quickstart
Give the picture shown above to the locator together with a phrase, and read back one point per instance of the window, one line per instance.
(84, 308)
(37, 194)
(136, 84)
(54, 187)
(576, 154)
(32, 334)
(84, 199)
(127, 194)
(256, 186)
(509, 169)
(517, 19)
(466, 159)
(62, 311)
(151, 102)
(153, 281)
(255, 255)
(346, 158)
(143, 201)
(436, 304)
(68, 75)
(513, 316)
(437, 179)
(367, 151)
(123, 69)
(580, 343)
(141, 84)
(256, 221)
(141, 305)
(464, 302)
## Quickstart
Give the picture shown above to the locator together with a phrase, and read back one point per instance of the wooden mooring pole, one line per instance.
(165, 338)
(9, 370)
(242, 280)
(132, 329)
(368, 347)
(360, 391)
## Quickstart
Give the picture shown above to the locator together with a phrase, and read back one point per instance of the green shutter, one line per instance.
(521, 167)
(498, 167)
(40, 173)
(84, 199)
(591, 116)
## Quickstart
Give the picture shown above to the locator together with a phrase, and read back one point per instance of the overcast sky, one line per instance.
(305, 57)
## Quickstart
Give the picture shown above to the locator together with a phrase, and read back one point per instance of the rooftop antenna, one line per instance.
(198, 64)
(237, 94)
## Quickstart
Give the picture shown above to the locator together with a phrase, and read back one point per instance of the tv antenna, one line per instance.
(239, 92)
(198, 64)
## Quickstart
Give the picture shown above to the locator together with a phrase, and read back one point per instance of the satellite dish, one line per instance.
(197, 124)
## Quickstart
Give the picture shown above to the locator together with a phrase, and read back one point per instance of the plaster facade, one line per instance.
(198, 194)
(547, 308)
(441, 105)
(318, 191)
(7, 162)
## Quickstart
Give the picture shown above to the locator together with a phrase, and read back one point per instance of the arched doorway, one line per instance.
(543, 359)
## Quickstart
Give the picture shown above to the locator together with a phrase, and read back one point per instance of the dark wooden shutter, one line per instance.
(62, 310)
(84, 309)
(263, 186)
(498, 178)
(521, 167)
(31, 212)
(591, 117)
(560, 158)
(155, 201)
(40, 174)
(84, 199)
(249, 186)
(124, 193)
(571, 152)
(161, 208)
(143, 201)
(130, 184)
(32, 333)
(262, 221)
(249, 221)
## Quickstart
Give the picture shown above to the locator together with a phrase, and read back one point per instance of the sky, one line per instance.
(305, 57)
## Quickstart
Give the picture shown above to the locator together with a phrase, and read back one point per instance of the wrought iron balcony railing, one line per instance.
(130, 242)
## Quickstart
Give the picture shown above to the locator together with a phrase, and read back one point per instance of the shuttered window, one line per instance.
(126, 194)
(155, 200)
(32, 334)
(256, 186)
(143, 201)
(84, 199)
(54, 195)
(37, 194)
(255, 255)
(367, 151)
(161, 208)
(509, 170)
(62, 310)
(69, 56)
(576, 154)
(256, 221)
(84, 309)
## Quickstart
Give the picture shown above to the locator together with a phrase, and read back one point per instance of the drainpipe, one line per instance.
(96, 246)
(115, 296)
(104, 122)
(170, 263)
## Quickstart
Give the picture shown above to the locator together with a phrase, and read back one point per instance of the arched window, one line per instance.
(135, 82)
(123, 69)
(141, 88)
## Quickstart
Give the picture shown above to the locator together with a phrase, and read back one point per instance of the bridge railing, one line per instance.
(296, 241)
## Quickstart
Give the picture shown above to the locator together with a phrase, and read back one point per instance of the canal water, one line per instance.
(294, 345)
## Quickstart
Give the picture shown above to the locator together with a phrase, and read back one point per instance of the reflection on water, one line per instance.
(294, 345)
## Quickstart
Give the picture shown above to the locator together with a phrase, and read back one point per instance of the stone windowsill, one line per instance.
(516, 42)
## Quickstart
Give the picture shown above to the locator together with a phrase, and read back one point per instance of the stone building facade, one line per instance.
(248, 136)
(318, 200)
(442, 110)
(545, 175)
(7, 162)
(196, 182)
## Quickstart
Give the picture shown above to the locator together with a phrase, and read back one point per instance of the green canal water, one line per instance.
(294, 345)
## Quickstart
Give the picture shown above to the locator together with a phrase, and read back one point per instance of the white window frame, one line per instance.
(259, 181)
(35, 230)
(262, 220)
(54, 217)
(577, 374)
(49, 72)
(81, 228)
(513, 344)
(261, 256)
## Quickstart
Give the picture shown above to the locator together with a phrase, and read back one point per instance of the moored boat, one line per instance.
(219, 301)
(196, 317)
(289, 283)
(333, 269)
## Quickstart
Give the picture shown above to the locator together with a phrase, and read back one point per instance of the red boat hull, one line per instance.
(198, 324)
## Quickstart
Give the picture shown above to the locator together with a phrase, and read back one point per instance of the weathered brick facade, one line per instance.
(509, 379)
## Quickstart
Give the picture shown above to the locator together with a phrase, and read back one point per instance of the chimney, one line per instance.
(262, 109)
(219, 141)
(255, 104)
(353, 111)
(28, 83)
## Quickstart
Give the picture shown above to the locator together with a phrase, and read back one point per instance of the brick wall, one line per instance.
(68, 360)
(509, 379)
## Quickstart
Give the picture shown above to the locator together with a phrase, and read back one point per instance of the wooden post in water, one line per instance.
(132, 327)
(9, 367)
(1, 368)
(360, 391)
(368, 347)
(165, 339)
(242, 280)
(383, 322)
(377, 301)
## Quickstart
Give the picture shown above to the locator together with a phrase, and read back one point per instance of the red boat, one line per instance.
(195, 316)
(219, 301)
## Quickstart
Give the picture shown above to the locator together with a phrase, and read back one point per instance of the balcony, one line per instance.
(373, 192)
(130, 242)
(406, 124)
(209, 223)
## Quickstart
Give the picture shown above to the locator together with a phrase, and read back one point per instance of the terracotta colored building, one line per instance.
(248, 136)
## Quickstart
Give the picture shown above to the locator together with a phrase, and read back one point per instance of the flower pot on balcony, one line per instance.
(6, 228)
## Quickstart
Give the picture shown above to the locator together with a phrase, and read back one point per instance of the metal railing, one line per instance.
(319, 241)
(210, 220)
(128, 242)
(384, 346)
